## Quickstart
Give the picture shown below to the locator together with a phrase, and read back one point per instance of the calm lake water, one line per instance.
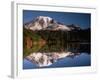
(80, 55)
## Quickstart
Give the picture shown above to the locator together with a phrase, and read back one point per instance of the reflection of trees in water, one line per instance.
(59, 41)
(66, 47)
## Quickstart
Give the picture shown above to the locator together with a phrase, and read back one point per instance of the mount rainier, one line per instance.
(48, 23)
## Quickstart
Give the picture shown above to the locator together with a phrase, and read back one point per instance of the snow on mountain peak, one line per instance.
(46, 23)
(45, 18)
(40, 22)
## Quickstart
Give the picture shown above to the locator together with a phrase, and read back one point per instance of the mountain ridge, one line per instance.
(48, 23)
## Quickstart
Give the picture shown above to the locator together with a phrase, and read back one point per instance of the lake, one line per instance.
(71, 54)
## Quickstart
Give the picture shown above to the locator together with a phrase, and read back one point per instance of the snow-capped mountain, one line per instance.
(47, 23)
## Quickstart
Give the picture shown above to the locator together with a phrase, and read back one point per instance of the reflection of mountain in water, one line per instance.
(48, 58)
